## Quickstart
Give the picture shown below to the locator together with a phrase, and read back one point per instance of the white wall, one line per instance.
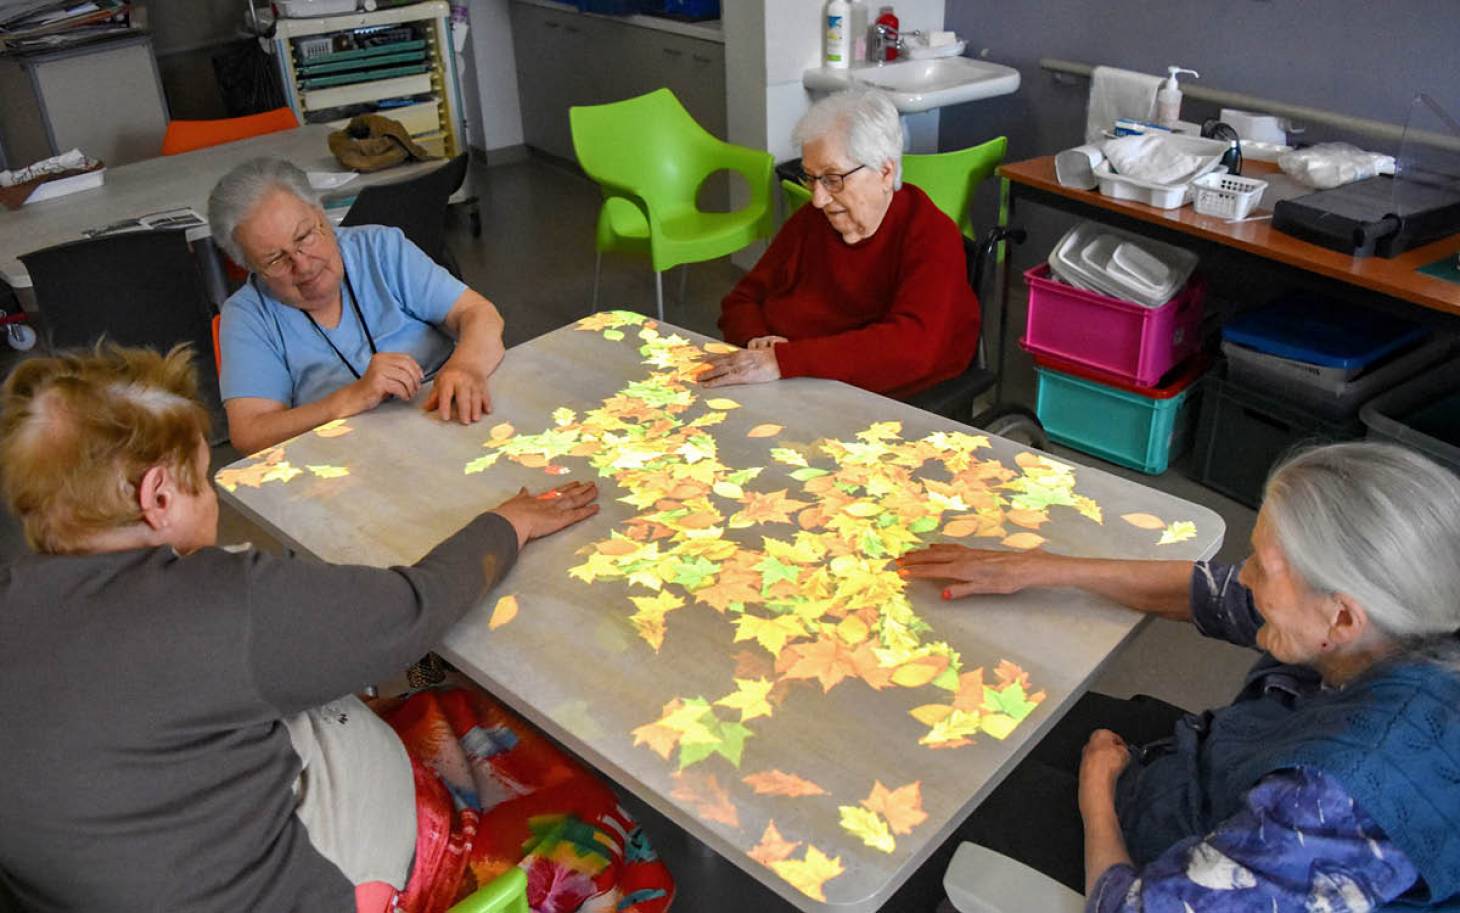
(490, 45)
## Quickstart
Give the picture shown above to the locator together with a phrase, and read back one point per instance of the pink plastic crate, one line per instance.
(1120, 337)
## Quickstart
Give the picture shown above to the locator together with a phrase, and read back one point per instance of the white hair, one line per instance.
(1380, 524)
(865, 122)
(240, 190)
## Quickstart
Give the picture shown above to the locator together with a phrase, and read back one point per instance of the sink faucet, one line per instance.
(885, 37)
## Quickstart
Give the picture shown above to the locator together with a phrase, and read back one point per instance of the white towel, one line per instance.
(1154, 157)
(1115, 94)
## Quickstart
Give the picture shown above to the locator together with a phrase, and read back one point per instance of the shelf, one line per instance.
(335, 65)
(358, 93)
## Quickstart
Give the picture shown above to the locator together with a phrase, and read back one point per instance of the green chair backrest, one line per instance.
(507, 893)
(648, 147)
(948, 178)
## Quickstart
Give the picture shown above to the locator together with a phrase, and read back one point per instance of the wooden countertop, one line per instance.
(1398, 276)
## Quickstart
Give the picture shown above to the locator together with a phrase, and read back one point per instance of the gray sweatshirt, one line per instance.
(146, 703)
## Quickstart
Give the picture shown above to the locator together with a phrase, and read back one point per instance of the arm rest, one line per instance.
(980, 880)
(755, 164)
(506, 894)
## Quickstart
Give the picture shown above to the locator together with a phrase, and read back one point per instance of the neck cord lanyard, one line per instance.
(365, 327)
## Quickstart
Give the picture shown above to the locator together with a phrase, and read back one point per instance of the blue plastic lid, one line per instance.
(1323, 332)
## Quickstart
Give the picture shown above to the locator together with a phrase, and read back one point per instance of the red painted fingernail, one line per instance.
(947, 594)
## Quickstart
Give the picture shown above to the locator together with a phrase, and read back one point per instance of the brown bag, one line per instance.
(370, 142)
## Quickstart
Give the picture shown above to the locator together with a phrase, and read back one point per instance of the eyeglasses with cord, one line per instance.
(283, 262)
(832, 181)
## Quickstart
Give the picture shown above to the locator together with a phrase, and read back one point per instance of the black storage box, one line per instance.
(1376, 217)
(1243, 433)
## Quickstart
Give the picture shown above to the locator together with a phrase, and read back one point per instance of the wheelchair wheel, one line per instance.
(1016, 424)
(20, 336)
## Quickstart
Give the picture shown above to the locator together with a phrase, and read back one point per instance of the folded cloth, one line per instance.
(1115, 94)
(17, 186)
(371, 142)
(1152, 157)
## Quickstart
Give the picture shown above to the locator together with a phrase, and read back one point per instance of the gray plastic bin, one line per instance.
(1423, 414)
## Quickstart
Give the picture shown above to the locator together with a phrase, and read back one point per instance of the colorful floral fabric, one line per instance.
(493, 793)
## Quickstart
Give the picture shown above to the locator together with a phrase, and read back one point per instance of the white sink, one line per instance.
(921, 85)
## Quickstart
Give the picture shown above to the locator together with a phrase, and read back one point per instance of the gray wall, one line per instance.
(1358, 57)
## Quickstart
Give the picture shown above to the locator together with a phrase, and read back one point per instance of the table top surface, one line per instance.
(1397, 276)
(168, 182)
(728, 638)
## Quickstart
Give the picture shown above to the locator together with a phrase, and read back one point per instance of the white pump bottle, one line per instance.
(1168, 100)
(835, 20)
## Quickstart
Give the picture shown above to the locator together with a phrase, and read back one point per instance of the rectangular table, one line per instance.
(728, 638)
(169, 182)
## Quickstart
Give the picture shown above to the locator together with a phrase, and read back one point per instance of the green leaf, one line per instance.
(613, 335)
(744, 475)
(732, 741)
(923, 525)
(691, 574)
(772, 571)
(809, 473)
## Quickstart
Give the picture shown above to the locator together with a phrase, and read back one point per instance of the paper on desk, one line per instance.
(329, 180)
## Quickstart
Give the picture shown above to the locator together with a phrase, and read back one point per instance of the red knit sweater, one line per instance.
(892, 313)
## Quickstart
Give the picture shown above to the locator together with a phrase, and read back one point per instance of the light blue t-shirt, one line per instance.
(270, 350)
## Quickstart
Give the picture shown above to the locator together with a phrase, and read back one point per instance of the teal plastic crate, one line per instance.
(1143, 429)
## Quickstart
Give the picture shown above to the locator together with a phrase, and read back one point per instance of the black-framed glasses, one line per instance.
(832, 181)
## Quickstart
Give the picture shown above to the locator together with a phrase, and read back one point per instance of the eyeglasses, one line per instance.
(832, 181)
(283, 262)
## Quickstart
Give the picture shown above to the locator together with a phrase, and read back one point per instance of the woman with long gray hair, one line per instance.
(1332, 782)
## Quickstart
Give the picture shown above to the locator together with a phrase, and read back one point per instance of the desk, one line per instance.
(1398, 277)
(728, 638)
(167, 182)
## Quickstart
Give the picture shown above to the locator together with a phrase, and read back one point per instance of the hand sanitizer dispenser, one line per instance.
(1168, 99)
(836, 20)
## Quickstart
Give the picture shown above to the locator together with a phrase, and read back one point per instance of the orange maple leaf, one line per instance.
(772, 847)
(661, 739)
(902, 807)
(709, 799)
(1007, 673)
(970, 691)
(766, 507)
(780, 783)
(826, 659)
(870, 669)
(733, 585)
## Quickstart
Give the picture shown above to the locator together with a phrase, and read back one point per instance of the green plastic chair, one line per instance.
(948, 178)
(506, 894)
(650, 158)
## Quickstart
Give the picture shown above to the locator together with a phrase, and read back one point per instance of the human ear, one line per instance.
(154, 496)
(1349, 621)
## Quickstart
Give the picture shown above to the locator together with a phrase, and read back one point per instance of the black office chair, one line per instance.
(955, 397)
(417, 207)
(138, 289)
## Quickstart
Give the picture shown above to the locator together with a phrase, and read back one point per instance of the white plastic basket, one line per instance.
(1226, 195)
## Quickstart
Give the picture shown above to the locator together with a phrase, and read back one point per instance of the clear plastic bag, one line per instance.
(1329, 165)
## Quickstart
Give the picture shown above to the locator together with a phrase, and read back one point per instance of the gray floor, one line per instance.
(535, 261)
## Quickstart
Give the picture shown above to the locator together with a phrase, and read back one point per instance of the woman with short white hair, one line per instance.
(866, 285)
(1332, 782)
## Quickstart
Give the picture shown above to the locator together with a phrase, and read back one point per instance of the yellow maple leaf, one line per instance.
(749, 698)
(720, 348)
(1179, 531)
(770, 633)
(722, 404)
(766, 430)
(998, 725)
(335, 428)
(867, 826)
(931, 714)
(329, 472)
(649, 619)
(809, 874)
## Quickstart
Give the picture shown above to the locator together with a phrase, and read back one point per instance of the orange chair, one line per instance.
(187, 135)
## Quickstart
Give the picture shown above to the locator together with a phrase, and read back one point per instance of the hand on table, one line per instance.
(747, 366)
(461, 387)
(389, 374)
(535, 516)
(976, 570)
(765, 342)
(1105, 756)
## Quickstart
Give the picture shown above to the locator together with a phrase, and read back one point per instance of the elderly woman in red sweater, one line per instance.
(867, 284)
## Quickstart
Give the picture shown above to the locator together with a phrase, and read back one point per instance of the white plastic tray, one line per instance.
(1069, 260)
(1162, 196)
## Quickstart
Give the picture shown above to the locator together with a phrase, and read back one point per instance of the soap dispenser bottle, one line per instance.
(836, 20)
(858, 19)
(1168, 100)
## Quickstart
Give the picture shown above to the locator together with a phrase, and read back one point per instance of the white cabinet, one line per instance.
(395, 62)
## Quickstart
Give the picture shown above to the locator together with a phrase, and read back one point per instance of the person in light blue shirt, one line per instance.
(332, 322)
